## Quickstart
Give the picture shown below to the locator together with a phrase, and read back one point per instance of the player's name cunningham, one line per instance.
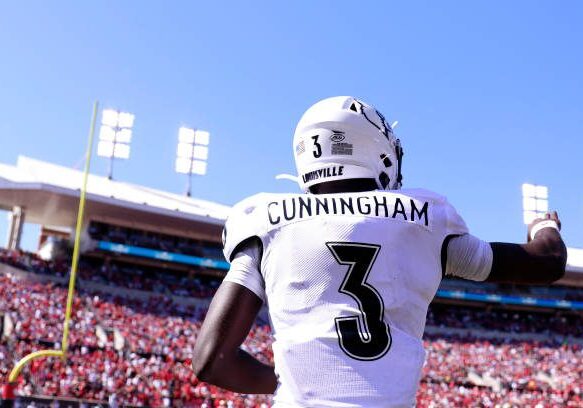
(377, 205)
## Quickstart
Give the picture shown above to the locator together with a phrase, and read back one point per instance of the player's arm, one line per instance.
(218, 358)
(541, 260)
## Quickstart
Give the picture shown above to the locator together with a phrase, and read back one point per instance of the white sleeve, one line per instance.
(469, 258)
(247, 219)
(246, 272)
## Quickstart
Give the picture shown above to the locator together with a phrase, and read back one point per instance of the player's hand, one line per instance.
(551, 215)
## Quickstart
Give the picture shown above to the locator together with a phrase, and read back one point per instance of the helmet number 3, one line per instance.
(317, 147)
(365, 336)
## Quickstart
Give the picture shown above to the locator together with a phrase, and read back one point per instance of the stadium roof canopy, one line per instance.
(49, 195)
(574, 272)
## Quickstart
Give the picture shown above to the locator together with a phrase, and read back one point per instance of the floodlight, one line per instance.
(198, 167)
(535, 201)
(528, 190)
(106, 133)
(200, 152)
(115, 136)
(121, 151)
(201, 137)
(125, 120)
(529, 203)
(124, 136)
(109, 117)
(184, 150)
(105, 148)
(186, 135)
(183, 165)
(542, 192)
(191, 153)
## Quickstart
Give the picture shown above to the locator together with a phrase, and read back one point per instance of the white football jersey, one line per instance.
(348, 279)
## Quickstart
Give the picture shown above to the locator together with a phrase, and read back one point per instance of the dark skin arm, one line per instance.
(539, 261)
(218, 358)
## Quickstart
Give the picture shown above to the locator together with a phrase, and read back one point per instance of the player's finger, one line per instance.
(555, 217)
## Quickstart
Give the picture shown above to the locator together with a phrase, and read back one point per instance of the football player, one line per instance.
(348, 269)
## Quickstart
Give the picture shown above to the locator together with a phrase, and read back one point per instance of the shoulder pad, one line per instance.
(246, 219)
(421, 193)
(455, 225)
(453, 222)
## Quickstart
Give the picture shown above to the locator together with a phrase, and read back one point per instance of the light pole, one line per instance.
(535, 202)
(192, 153)
(115, 136)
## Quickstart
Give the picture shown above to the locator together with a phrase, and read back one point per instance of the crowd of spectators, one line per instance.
(153, 369)
(517, 372)
(134, 379)
(166, 282)
(32, 263)
(153, 366)
(443, 394)
(146, 239)
(556, 292)
(107, 271)
(507, 321)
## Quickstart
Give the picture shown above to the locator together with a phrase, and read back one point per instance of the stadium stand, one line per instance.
(144, 287)
(152, 368)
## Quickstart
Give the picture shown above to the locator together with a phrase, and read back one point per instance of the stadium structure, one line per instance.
(151, 261)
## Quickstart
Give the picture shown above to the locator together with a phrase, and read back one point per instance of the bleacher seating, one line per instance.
(153, 366)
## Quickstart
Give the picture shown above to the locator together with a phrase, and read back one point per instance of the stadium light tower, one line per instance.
(535, 201)
(192, 153)
(115, 136)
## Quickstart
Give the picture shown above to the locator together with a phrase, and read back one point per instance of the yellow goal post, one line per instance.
(65, 343)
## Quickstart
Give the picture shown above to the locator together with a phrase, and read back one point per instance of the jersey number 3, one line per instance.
(366, 337)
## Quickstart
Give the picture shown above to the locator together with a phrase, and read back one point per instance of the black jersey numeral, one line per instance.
(366, 336)
(318, 146)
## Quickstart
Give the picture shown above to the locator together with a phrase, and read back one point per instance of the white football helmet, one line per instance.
(344, 138)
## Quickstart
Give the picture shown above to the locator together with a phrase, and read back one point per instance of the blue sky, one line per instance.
(488, 95)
